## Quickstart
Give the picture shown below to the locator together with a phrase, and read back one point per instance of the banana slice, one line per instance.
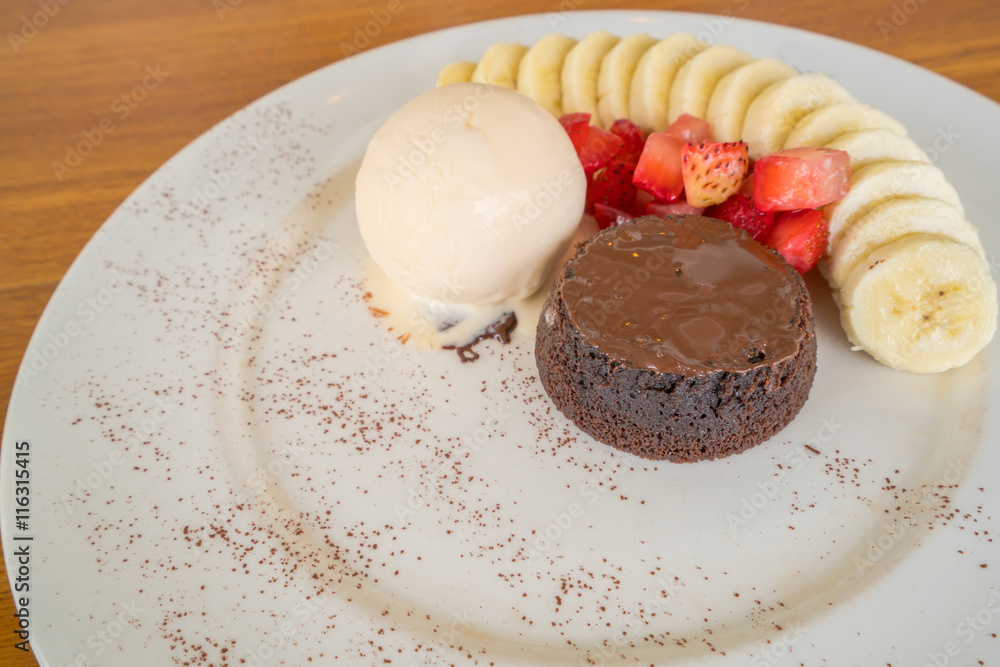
(732, 95)
(456, 73)
(922, 304)
(696, 79)
(614, 79)
(820, 127)
(499, 65)
(649, 93)
(881, 181)
(890, 221)
(868, 146)
(580, 70)
(539, 76)
(774, 113)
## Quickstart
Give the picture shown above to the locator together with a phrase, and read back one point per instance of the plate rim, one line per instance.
(197, 144)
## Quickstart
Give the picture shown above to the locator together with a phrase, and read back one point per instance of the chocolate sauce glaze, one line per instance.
(684, 294)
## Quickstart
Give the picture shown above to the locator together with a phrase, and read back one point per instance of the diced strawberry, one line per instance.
(571, 121)
(659, 169)
(609, 215)
(576, 125)
(662, 209)
(612, 185)
(642, 199)
(594, 146)
(633, 137)
(747, 187)
(798, 178)
(691, 129)
(712, 171)
(739, 211)
(800, 237)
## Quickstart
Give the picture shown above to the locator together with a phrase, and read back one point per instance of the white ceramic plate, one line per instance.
(232, 463)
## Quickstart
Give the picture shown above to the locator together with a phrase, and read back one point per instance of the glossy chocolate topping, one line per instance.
(686, 294)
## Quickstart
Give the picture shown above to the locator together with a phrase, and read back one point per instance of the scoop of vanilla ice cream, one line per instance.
(469, 194)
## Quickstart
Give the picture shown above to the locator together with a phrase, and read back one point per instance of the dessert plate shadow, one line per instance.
(234, 462)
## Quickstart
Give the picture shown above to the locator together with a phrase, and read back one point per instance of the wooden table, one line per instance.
(66, 66)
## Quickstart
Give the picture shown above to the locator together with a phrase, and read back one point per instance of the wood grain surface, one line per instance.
(65, 66)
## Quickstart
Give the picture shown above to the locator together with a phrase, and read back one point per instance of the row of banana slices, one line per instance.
(908, 270)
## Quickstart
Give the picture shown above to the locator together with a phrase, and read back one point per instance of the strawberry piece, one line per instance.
(690, 129)
(800, 237)
(739, 211)
(575, 125)
(595, 146)
(572, 121)
(612, 185)
(609, 215)
(713, 171)
(662, 209)
(799, 178)
(747, 187)
(642, 199)
(633, 137)
(658, 171)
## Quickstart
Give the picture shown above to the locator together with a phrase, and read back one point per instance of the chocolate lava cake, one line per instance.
(678, 338)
